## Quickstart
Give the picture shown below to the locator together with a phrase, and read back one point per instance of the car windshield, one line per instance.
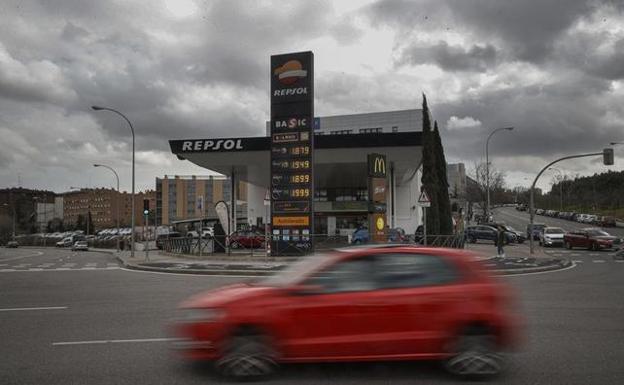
(296, 271)
(554, 230)
(597, 233)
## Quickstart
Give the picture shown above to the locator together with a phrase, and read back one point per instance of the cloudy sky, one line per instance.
(553, 69)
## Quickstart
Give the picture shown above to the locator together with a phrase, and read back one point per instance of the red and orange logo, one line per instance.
(290, 72)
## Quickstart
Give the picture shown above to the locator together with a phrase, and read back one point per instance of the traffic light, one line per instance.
(146, 207)
(607, 157)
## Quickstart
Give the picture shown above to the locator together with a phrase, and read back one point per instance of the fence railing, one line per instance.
(279, 245)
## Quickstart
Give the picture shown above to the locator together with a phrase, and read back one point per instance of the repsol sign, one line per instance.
(213, 145)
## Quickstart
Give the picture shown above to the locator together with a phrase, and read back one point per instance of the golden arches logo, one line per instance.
(379, 165)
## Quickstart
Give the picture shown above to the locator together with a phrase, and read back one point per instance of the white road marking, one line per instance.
(195, 274)
(91, 264)
(541, 272)
(35, 308)
(577, 261)
(36, 254)
(69, 265)
(98, 342)
(59, 269)
(598, 261)
(619, 261)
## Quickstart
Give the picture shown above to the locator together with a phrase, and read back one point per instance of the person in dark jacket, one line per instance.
(500, 242)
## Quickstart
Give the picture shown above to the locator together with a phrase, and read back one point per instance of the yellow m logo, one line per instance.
(379, 166)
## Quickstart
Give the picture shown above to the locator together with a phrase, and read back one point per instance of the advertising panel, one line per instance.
(377, 195)
(292, 160)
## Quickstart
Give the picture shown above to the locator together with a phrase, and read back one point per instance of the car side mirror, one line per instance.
(305, 289)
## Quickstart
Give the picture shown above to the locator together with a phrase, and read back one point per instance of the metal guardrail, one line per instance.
(322, 242)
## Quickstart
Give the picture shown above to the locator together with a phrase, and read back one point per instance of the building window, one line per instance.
(341, 132)
(375, 130)
(395, 128)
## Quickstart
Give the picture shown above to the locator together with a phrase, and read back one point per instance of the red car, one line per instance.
(399, 303)
(590, 238)
(246, 240)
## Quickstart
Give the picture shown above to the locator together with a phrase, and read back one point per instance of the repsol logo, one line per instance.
(291, 91)
(213, 145)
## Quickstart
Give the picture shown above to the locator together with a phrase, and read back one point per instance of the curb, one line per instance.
(562, 264)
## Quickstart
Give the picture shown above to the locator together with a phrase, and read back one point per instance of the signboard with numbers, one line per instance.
(292, 161)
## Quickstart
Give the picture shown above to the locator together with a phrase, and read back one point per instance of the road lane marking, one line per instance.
(36, 254)
(618, 261)
(35, 308)
(99, 342)
(577, 261)
(195, 274)
(598, 261)
(34, 270)
(572, 266)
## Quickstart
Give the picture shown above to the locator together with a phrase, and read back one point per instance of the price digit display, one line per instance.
(300, 178)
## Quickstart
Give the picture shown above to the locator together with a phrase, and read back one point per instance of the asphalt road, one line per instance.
(107, 325)
(520, 219)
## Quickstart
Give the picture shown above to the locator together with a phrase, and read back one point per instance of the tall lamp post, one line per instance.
(14, 215)
(98, 108)
(117, 205)
(560, 187)
(487, 165)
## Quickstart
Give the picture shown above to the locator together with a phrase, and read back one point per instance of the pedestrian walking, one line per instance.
(500, 242)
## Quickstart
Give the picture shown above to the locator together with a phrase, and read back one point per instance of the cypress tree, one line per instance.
(429, 177)
(444, 203)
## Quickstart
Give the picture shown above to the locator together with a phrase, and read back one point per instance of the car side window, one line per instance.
(346, 276)
(402, 270)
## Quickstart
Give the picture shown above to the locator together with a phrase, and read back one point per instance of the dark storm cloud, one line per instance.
(527, 28)
(451, 58)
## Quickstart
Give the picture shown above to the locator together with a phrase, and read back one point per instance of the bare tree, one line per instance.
(477, 192)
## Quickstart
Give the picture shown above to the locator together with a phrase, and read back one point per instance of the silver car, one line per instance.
(80, 245)
(551, 236)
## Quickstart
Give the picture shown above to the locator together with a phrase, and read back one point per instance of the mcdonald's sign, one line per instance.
(377, 165)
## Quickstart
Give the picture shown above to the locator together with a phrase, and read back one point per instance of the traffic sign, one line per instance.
(424, 200)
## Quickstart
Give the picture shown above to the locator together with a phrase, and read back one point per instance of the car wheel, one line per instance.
(540, 243)
(567, 245)
(475, 355)
(472, 240)
(595, 247)
(234, 245)
(247, 357)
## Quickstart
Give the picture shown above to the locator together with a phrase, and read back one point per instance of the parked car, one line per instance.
(539, 211)
(535, 230)
(369, 304)
(245, 239)
(607, 221)
(590, 238)
(487, 233)
(12, 245)
(396, 235)
(80, 245)
(206, 233)
(520, 237)
(551, 236)
(162, 237)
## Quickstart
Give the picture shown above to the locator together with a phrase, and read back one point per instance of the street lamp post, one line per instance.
(97, 108)
(487, 166)
(607, 153)
(560, 187)
(14, 215)
(117, 203)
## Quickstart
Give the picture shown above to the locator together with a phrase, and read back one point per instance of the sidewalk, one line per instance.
(517, 260)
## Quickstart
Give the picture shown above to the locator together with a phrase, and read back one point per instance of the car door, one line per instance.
(416, 304)
(333, 318)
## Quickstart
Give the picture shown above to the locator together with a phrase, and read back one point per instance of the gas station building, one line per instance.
(341, 146)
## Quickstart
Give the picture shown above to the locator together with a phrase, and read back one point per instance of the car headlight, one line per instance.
(200, 315)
